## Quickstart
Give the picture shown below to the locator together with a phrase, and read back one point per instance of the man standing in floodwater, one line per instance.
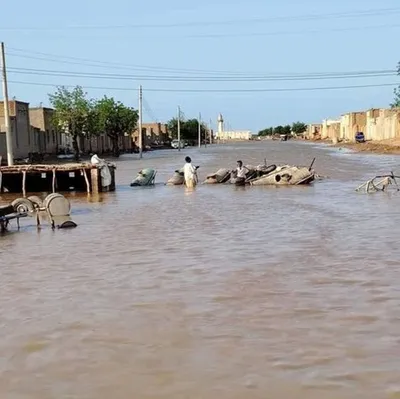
(190, 173)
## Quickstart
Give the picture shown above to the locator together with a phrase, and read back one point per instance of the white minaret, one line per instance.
(220, 125)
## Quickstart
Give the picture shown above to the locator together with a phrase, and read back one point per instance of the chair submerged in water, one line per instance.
(146, 177)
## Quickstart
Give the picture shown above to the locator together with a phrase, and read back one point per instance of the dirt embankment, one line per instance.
(391, 146)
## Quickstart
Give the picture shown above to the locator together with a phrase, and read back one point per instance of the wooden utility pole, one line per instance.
(199, 123)
(179, 128)
(140, 134)
(9, 142)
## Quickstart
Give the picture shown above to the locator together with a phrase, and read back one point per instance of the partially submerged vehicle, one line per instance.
(221, 176)
(146, 177)
(285, 175)
(265, 175)
(177, 179)
(380, 183)
(55, 208)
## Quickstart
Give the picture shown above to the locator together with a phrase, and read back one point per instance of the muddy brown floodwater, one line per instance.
(220, 292)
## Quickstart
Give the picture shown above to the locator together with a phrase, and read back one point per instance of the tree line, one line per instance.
(296, 128)
(189, 129)
(79, 116)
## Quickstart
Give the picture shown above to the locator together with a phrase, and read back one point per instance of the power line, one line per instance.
(166, 78)
(284, 33)
(102, 64)
(57, 58)
(149, 111)
(352, 14)
(273, 33)
(260, 90)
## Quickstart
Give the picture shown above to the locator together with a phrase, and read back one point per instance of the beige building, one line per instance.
(48, 140)
(223, 134)
(152, 132)
(23, 134)
(382, 124)
(234, 135)
(313, 131)
(376, 124)
(330, 128)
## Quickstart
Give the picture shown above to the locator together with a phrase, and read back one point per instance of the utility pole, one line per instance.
(179, 128)
(140, 134)
(199, 122)
(10, 155)
(210, 131)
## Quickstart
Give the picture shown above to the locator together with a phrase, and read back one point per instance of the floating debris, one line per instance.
(379, 183)
(146, 177)
(55, 207)
(177, 179)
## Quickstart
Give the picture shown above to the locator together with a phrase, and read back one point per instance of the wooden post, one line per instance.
(24, 183)
(94, 175)
(54, 180)
(86, 180)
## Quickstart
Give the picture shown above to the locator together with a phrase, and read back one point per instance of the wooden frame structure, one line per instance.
(54, 178)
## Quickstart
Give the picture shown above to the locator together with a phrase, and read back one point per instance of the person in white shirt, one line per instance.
(241, 170)
(190, 173)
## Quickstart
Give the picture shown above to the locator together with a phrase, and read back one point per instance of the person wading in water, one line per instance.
(190, 173)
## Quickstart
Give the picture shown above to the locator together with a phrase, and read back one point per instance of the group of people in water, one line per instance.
(191, 178)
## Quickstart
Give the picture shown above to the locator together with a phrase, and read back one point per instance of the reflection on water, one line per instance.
(217, 292)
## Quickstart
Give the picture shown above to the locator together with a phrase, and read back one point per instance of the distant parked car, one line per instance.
(360, 138)
(175, 144)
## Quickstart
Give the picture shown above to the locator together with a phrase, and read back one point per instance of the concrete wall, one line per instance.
(234, 135)
(102, 144)
(22, 133)
(314, 131)
(376, 124)
(152, 132)
(330, 129)
(42, 119)
(33, 131)
(351, 124)
(382, 124)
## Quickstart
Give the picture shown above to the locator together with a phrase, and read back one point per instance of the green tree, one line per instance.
(279, 130)
(114, 119)
(266, 132)
(287, 129)
(92, 127)
(70, 113)
(172, 126)
(189, 129)
(299, 127)
(396, 101)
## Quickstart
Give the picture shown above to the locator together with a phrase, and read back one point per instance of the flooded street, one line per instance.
(221, 292)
